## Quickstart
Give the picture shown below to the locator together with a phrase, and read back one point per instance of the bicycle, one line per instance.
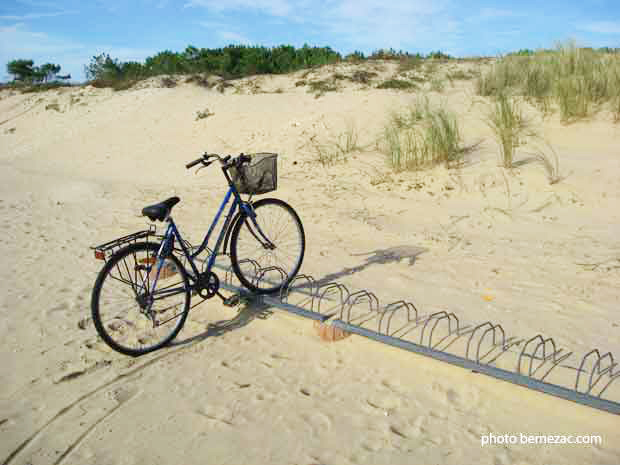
(262, 256)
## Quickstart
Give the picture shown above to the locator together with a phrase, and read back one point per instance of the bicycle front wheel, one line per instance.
(266, 254)
(135, 308)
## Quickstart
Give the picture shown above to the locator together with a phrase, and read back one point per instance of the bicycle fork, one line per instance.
(266, 243)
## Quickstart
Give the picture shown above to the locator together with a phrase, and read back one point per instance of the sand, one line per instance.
(257, 386)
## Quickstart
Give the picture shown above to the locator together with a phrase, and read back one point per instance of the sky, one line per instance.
(71, 32)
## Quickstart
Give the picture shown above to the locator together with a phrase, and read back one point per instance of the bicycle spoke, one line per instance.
(124, 296)
(281, 228)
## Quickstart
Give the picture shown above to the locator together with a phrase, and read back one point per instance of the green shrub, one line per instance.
(42, 87)
(53, 106)
(168, 82)
(203, 114)
(409, 63)
(459, 75)
(201, 80)
(318, 88)
(362, 76)
(400, 84)
(438, 55)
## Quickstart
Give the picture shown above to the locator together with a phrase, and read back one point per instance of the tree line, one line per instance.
(233, 61)
(24, 71)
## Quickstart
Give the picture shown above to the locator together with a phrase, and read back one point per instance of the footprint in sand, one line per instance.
(318, 422)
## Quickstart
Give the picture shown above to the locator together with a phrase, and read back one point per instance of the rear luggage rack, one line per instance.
(105, 251)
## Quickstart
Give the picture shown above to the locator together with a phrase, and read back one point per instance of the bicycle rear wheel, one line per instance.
(262, 267)
(128, 315)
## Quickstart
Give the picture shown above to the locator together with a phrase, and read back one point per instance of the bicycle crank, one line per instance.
(207, 285)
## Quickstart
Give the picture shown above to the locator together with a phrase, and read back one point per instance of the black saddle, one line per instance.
(160, 210)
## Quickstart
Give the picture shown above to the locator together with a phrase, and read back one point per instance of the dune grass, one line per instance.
(437, 84)
(421, 137)
(506, 120)
(549, 160)
(511, 130)
(337, 147)
(579, 81)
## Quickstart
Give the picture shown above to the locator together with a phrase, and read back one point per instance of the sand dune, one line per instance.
(252, 385)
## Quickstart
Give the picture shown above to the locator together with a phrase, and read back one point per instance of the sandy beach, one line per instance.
(254, 385)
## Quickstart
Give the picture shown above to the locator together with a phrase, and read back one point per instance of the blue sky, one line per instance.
(70, 32)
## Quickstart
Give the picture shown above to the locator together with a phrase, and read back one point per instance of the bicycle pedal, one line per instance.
(232, 300)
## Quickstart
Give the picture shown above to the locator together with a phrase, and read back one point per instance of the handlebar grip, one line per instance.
(244, 159)
(193, 163)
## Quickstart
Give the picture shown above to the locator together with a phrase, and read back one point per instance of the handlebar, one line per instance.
(207, 158)
(191, 164)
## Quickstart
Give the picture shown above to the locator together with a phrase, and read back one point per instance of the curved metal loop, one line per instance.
(490, 327)
(392, 308)
(437, 317)
(286, 290)
(263, 271)
(358, 297)
(596, 368)
(331, 287)
(230, 272)
(542, 342)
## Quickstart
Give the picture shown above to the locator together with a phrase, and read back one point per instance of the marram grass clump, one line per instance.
(505, 118)
(579, 81)
(422, 137)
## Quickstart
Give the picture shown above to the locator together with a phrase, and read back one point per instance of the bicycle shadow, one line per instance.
(377, 257)
(255, 310)
(248, 313)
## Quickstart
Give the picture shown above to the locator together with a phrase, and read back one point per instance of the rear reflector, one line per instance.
(99, 254)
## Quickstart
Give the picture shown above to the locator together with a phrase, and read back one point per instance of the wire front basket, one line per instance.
(259, 176)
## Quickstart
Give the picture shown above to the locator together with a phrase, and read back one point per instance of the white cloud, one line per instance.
(600, 27)
(231, 37)
(226, 33)
(490, 14)
(18, 41)
(362, 24)
(271, 7)
(29, 16)
(398, 24)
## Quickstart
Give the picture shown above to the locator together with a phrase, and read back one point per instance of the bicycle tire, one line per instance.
(105, 328)
(252, 283)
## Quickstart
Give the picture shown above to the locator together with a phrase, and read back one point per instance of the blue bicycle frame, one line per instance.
(172, 233)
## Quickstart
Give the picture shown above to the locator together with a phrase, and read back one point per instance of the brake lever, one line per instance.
(204, 164)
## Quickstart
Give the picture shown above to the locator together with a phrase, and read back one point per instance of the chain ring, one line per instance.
(208, 285)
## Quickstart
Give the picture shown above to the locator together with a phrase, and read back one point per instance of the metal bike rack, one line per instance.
(401, 325)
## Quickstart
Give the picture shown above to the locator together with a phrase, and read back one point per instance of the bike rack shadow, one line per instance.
(376, 257)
